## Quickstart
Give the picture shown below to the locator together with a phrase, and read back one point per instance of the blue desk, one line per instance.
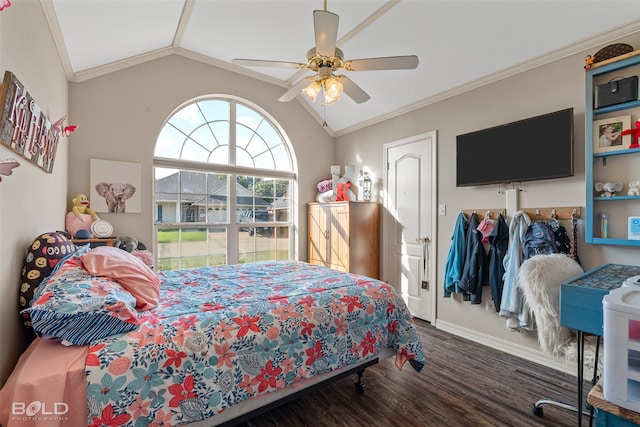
(581, 307)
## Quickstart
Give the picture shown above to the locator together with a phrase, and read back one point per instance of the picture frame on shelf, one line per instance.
(607, 134)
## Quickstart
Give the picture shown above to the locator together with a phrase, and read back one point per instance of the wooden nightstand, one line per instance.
(93, 242)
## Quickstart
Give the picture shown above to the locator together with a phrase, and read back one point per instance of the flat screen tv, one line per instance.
(536, 148)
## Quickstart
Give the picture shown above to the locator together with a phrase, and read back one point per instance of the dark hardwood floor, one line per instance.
(462, 384)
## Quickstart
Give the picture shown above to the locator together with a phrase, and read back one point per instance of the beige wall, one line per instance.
(545, 89)
(121, 114)
(31, 200)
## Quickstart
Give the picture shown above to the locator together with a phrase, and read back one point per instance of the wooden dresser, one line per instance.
(345, 236)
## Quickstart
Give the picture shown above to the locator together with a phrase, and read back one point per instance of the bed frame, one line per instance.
(256, 406)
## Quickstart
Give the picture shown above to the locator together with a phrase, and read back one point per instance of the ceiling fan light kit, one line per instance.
(332, 90)
(312, 90)
(325, 59)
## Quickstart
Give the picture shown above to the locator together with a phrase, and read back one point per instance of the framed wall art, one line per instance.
(115, 186)
(607, 134)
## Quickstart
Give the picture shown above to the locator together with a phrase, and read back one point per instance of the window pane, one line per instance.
(282, 158)
(263, 199)
(264, 247)
(281, 206)
(168, 248)
(188, 118)
(169, 142)
(217, 197)
(166, 195)
(248, 117)
(191, 247)
(191, 150)
(215, 109)
(247, 201)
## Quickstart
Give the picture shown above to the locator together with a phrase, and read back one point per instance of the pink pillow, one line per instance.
(128, 270)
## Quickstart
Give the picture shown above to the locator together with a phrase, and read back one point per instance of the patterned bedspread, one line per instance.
(224, 334)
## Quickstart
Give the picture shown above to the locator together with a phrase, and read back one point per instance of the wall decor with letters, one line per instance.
(24, 128)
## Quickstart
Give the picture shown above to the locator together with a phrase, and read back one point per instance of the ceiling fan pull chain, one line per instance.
(324, 123)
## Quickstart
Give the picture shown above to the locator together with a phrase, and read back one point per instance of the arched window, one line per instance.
(224, 177)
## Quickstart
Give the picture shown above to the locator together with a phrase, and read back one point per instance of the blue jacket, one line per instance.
(512, 305)
(475, 273)
(499, 240)
(455, 259)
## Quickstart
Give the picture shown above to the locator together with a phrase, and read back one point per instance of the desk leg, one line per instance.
(595, 378)
(580, 345)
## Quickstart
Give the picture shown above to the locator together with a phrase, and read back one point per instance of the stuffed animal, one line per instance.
(634, 188)
(636, 134)
(588, 62)
(81, 206)
(608, 189)
(129, 244)
(81, 216)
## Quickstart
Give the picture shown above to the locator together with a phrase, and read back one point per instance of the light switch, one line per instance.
(442, 209)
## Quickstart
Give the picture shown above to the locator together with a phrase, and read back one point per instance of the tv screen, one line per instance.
(539, 147)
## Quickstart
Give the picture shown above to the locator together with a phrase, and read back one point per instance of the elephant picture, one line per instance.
(115, 194)
(119, 183)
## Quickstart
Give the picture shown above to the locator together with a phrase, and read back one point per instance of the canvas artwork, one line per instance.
(115, 186)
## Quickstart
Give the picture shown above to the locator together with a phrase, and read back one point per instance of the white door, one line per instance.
(409, 222)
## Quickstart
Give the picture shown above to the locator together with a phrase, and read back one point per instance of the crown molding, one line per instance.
(604, 38)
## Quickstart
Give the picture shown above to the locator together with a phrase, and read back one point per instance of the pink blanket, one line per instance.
(58, 400)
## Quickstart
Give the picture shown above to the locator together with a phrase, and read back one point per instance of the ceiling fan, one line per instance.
(325, 59)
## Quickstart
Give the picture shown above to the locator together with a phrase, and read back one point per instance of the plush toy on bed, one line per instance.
(81, 216)
(129, 244)
(135, 247)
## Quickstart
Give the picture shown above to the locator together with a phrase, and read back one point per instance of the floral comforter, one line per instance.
(224, 334)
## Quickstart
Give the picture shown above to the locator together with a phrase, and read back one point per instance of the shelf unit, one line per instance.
(616, 166)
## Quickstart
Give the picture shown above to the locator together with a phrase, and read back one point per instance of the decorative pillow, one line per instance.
(78, 308)
(42, 256)
(128, 270)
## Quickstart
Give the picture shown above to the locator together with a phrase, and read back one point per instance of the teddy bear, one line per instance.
(634, 188)
(129, 244)
(608, 189)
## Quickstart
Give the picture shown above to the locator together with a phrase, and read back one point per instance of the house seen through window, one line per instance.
(224, 181)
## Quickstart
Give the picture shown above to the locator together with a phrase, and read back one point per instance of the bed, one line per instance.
(203, 346)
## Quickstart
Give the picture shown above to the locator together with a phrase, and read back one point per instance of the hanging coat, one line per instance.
(513, 306)
(475, 273)
(455, 259)
(573, 251)
(499, 240)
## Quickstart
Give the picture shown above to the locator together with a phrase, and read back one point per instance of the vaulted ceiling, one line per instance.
(460, 44)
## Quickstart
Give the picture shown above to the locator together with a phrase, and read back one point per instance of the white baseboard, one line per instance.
(526, 353)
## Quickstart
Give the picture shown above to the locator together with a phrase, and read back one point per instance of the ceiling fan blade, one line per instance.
(325, 25)
(295, 89)
(352, 90)
(408, 62)
(265, 63)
